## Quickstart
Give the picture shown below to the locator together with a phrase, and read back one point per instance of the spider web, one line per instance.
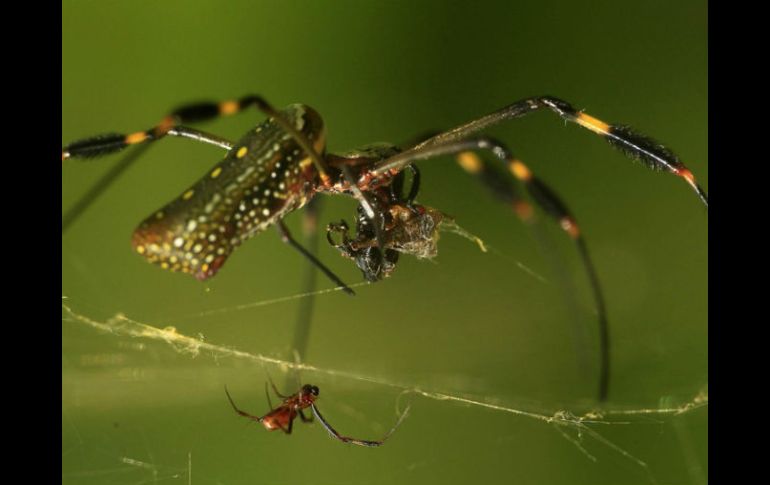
(586, 429)
(143, 398)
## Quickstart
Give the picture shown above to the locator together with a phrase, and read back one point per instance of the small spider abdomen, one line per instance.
(262, 178)
(279, 418)
(271, 423)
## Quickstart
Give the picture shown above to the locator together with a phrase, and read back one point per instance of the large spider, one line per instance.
(280, 165)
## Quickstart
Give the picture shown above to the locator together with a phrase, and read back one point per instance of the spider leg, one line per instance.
(208, 110)
(634, 145)
(85, 201)
(505, 190)
(288, 239)
(305, 419)
(291, 425)
(275, 390)
(189, 113)
(347, 439)
(242, 413)
(107, 144)
(261, 104)
(203, 137)
(267, 395)
(397, 186)
(543, 196)
(375, 216)
(418, 140)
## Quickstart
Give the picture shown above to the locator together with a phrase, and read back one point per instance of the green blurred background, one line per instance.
(468, 323)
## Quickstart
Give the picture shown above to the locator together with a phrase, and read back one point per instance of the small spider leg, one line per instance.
(543, 196)
(242, 413)
(275, 389)
(267, 395)
(633, 144)
(347, 439)
(290, 427)
(305, 419)
(288, 239)
(106, 144)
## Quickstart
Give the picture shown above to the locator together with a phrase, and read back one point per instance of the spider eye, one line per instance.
(314, 390)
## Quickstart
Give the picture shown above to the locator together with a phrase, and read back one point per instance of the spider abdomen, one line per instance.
(262, 178)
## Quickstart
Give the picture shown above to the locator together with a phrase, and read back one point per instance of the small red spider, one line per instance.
(282, 417)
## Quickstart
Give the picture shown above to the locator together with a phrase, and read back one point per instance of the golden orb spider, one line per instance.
(280, 165)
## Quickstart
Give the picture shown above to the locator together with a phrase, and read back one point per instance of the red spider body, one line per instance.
(284, 415)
